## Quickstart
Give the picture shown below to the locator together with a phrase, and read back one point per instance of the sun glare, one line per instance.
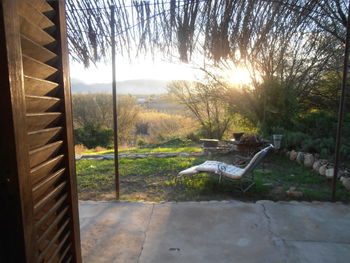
(238, 76)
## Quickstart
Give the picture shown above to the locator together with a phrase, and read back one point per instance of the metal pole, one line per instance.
(115, 119)
(341, 106)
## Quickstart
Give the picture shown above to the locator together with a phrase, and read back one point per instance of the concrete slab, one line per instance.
(208, 232)
(324, 222)
(214, 231)
(113, 232)
(317, 252)
(311, 232)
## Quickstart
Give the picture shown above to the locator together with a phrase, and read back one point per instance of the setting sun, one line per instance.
(238, 76)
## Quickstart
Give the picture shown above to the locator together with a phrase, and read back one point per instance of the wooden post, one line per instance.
(341, 106)
(115, 117)
(64, 81)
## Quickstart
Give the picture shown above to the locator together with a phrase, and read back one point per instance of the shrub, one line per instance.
(193, 137)
(315, 132)
(294, 140)
(324, 146)
(93, 135)
(141, 142)
(317, 124)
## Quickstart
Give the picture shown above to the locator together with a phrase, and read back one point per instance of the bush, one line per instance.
(141, 142)
(94, 135)
(315, 132)
(294, 140)
(317, 124)
(324, 146)
(194, 137)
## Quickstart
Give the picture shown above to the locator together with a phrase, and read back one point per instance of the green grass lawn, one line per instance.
(153, 179)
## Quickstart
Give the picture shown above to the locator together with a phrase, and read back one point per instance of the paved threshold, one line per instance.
(215, 231)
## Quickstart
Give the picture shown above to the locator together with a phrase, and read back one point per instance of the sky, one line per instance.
(150, 69)
(138, 69)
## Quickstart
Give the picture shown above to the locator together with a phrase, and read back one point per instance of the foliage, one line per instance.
(315, 132)
(128, 113)
(194, 137)
(294, 140)
(205, 103)
(317, 124)
(325, 94)
(236, 29)
(270, 104)
(95, 110)
(93, 135)
(156, 127)
(92, 109)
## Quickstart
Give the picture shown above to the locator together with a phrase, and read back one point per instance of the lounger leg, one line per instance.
(220, 178)
(245, 189)
(248, 187)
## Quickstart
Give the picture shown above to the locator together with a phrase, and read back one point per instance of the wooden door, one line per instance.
(39, 210)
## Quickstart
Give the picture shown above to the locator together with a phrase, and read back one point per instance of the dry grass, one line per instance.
(163, 126)
(80, 149)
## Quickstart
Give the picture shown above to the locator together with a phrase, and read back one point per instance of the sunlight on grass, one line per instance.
(154, 179)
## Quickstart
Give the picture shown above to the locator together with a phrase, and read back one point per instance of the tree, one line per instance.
(95, 110)
(325, 95)
(92, 108)
(93, 135)
(269, 105)
(224, 28)
(205, 102)
(327, 15)
(128, 114)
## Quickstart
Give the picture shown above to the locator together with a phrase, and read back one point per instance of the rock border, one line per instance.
(136, 155)
(321, 166)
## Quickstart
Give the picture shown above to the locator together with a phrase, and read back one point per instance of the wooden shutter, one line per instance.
(38, 187)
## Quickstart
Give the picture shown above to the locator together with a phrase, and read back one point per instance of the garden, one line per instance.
(278, 73)
(155, 179)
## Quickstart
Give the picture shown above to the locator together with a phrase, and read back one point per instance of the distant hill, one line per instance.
(139, 87)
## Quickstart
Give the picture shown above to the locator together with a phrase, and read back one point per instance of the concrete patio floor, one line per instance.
(215, 231)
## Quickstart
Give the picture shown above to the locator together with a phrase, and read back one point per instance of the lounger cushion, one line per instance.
(227, 170)
(209, 166)
(231, 171)
(189, 171)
